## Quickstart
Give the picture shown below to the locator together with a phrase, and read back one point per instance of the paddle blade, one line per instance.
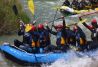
(15, 10)
(31, 6)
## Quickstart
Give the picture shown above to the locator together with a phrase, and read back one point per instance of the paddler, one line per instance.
(61, 35)
(27, 39)
(80, 38)
(44, 36)
(28, 31)
(82, 4)
(66, 3)
(75, 4)
(94, 30)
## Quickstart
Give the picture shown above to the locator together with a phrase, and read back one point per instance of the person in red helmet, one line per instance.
(61, 35)
(35, 41)
(93, 28)
(40, 26)
(94, 31)
(80, 38)
(33, 28)
(44, 36)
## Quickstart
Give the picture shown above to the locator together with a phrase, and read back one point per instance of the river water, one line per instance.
(46, 10)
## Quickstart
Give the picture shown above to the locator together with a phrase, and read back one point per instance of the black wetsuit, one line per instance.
(94, 36)
(80, 34)
(75, 5)
(65, 33)
(66, 3)
(82, 5)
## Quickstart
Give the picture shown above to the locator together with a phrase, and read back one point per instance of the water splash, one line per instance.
(88, 59)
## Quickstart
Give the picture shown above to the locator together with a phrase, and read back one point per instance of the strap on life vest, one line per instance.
(82, 41)
(62, 41)
(35, 44)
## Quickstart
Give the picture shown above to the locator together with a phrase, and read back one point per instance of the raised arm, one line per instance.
(84, 23)
(52, 32)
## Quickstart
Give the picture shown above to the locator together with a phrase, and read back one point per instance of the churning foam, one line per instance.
(89, 59)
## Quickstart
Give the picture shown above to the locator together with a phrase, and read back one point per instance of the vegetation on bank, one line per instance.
(8, 19)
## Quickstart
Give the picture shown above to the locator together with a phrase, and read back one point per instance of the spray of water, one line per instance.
(88, 59)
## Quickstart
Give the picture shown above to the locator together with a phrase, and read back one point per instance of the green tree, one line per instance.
(8, 19)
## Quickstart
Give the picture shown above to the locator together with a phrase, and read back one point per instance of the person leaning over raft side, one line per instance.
(66, 3)
(94, 31)
(80, 38)
(44, 36)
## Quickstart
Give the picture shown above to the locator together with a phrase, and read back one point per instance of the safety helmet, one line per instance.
(28, 27)
(40, 26)
(59, 26)
(94, 21)
(33, 28)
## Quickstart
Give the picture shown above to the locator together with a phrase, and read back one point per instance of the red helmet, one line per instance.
(33, 28)
(94, 21)
(40, 26)
(59, 26)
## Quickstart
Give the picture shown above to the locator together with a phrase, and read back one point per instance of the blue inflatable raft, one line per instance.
(22, 56)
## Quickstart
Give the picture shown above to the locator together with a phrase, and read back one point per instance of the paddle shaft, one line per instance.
(15, 10)
(89, 13)
(54, 19)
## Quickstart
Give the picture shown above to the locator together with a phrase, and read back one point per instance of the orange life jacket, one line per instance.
(35, 44)
(82, 41)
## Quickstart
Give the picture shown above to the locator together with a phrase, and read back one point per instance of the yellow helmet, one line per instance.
(28, 27)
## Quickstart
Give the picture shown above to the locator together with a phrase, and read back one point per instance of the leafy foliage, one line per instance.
(8, 19)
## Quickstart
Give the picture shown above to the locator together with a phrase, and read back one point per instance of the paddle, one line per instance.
(15, 10)
(34, 22)
(78, 22)
(54, 19)
(84, 14)
(31, 6)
